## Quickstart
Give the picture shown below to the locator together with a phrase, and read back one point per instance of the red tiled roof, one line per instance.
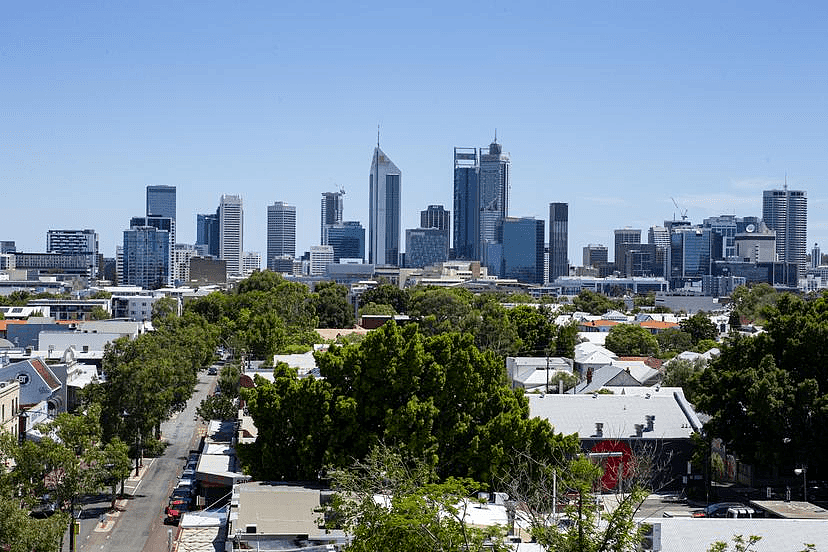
(658, 324)
(45, 373)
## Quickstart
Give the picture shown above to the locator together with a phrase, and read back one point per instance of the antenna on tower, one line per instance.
(378, 129)
(495, 140)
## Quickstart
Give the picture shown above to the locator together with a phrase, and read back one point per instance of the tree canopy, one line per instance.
(436, 397)
(768, 394)
(631, 340)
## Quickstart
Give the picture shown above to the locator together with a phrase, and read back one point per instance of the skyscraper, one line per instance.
(281, 231)
(522, 241)
(494, 193)
(786, 211)
(466, 204)
(558, 240)
(207, 233)
(161, 201)
(347, 240)
(167, 225)
(384, 211)
(331, 212)
(231, 233)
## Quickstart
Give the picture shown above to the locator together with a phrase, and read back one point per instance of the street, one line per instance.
(139, 522)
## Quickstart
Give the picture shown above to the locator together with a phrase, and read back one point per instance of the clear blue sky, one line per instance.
(613, 107)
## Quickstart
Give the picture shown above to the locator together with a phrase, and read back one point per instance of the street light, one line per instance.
(803, 471)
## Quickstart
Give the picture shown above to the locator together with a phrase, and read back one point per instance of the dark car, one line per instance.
(44, 508)
(725, 509)
(212, 371)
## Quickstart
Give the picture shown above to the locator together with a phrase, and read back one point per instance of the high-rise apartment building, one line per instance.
(167, 225)
(466, 204)
(384, 211)
(181, 262)
(331, 212)
(231, 233)
(558, 240)
(161, 201)
(494, 193)
(73, 242)
(146, 257)
(786, 212)
(522, 241)
(281, 231)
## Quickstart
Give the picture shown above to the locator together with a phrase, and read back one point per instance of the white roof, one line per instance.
(674, 416)
(778, 535)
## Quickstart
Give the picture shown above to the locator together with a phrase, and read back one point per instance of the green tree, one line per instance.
(750, 304)
(536, 333)
(596, 303)
(377, 308)
(21, 533)
(332, 306)
(674, 339)
(631, 340)
(98, 313)
(164, 307)
(386, 294)
(685, 374)
(420, 512)
(699, 327)
(443, 400)
(766, 393)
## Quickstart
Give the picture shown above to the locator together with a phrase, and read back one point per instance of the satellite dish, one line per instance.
(750, 228)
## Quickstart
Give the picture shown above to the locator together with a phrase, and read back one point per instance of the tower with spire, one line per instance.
(384, 210)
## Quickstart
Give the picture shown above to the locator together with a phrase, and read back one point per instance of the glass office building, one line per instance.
(522, 250)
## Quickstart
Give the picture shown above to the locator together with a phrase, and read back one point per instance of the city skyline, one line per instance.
(615, 112)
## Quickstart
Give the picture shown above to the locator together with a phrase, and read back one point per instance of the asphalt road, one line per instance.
(139, 526)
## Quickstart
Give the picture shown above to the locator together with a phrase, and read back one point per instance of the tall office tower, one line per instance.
(786, 211)
(347, 240)
(331, 212)
(146, 257)
(207, 233)
(692, 251)
(494, 193)
(231, 233)
(466, 204)
(72, 242)
(595, 254)
(522, 241)
(320, 257)
(756, 244)
(119, 265)
(816, 256)
(624, 236)
(161, 201)
(281, 231)
(425, 246)
(558, 240)
(384, 211)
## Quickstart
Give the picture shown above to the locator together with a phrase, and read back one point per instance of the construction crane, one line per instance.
(682, 213)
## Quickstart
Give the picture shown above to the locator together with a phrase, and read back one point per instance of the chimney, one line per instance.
(639, 430)
(599, 429)
(650, 422)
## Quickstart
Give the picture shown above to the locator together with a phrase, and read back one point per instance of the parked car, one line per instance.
(44, 508)
(725, 509)
(212, 371)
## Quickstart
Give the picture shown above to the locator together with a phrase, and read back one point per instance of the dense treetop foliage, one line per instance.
(437, 397)
(768, 394)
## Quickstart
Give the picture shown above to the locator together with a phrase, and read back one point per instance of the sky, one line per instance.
(618, 108)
